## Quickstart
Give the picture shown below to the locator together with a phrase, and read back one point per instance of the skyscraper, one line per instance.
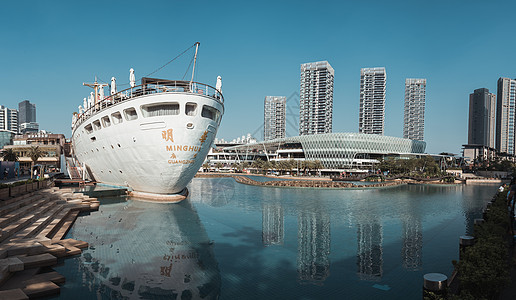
(27, 112)
(316, 98)
(8, 119)
(482, 118)
(27, 117)
(414, 118)
(372, 100)
(505, 118)
(275, 111)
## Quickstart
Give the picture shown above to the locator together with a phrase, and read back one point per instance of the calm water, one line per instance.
(235, 241)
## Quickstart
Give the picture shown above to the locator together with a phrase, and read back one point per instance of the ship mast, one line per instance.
(96, 87)
(194, 60)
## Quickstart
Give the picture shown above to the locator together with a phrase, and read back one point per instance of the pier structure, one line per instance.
(31, 240)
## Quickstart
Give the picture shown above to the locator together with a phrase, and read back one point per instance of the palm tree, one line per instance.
(34, 153)
(10, 155)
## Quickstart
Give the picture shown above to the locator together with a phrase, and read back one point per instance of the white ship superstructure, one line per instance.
(152, 137)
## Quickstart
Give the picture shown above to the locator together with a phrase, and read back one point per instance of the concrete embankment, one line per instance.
(301, 183)
(32, 227)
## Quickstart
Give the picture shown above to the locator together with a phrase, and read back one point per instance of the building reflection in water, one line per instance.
(147, 250)
(313, 262)
(370, 252)
(273, 227)
(412, 239)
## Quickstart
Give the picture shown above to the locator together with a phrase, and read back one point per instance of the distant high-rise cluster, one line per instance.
(492, 122)
(275, 111)
(414, 117)
(482, 118)
(316, 98)
(372, 100)
(22, 120)
(316, 103)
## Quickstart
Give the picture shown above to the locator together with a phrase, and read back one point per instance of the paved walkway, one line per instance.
(15, 179)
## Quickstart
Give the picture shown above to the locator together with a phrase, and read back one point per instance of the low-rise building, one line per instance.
(52, 146)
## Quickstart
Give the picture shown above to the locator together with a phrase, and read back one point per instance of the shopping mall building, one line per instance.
(338, 152)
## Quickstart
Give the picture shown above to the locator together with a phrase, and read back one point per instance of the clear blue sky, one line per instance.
(49, 48)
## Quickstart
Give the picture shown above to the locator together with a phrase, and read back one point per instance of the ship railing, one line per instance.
(167, 86)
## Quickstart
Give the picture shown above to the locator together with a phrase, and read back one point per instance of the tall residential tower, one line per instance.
(8, 119)
(414, 118)
(275, 111)
(316, 98)
(372, 100)
(505, 118)
(482, 118)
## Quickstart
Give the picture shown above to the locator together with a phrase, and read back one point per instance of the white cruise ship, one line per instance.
(151, 138)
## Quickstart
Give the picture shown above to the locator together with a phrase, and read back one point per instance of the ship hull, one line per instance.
(152, 152)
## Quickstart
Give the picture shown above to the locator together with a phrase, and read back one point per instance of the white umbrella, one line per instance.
(113, 85)
(132, 79)
(91, 100)
(218, 86)
(101, 93)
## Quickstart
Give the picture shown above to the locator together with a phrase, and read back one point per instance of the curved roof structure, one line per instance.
(342, 149)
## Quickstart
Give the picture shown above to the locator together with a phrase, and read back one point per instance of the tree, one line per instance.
(10, 155)
(318, 165)
(34, 153)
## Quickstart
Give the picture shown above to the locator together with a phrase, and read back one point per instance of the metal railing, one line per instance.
(171, 86)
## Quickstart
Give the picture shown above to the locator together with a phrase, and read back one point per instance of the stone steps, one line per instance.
(13, 294)
(40, 223)
(25, 221)
(31, 230)
(53, 227)
(16, 214)
(17, 203)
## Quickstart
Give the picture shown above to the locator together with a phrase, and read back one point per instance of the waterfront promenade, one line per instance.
(314, 182)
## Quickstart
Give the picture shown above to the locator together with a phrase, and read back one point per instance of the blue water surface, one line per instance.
(235, 241)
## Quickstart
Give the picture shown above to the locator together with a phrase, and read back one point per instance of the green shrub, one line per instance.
(484, 268)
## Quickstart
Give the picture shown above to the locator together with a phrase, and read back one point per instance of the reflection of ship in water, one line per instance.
(273, 232)
(148, 250)
(313, 263)
(369, 252)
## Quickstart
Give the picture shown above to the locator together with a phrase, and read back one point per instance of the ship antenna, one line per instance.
(195, 59)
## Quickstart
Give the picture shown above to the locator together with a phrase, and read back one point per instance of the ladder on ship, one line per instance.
(75, 172)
